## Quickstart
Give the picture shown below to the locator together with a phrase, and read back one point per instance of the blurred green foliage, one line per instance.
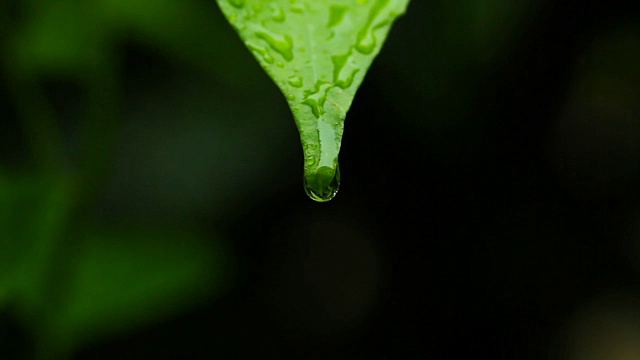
(70, 279)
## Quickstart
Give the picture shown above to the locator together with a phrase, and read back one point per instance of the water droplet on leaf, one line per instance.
(297, 8)
(278, 14)
(367, 43)
(345, 83)
(257, 7)
(309, 161)
(336, 15)
(237, 3)
(295, 81)
(263, 52)
(283, 45)
(366, 40)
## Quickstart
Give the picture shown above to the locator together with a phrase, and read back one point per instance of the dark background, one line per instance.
(489, 209)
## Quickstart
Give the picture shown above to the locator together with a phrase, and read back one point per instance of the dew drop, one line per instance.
(262, 52)
(277, 14)
(336, 15)
(237, 3)
(339, 62)
(345, 83)
(283, 45)
(324, 184)
(366, 44)
(315, 99)
(309, 161)
(366, 39)
(295, 81)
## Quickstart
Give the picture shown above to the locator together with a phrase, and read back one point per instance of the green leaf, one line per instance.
(122, 281)
(33, 216)
(317, 52)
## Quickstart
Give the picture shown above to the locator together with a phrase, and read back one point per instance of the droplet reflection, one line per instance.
(324, 185)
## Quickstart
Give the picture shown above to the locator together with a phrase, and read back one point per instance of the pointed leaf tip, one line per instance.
(317, 52)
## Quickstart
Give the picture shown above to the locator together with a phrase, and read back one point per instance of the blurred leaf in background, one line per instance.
(69, 280)
(34, 216)
(120, 281)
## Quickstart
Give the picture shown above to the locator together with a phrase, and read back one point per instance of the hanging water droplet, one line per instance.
(237, 3)
(324, 184)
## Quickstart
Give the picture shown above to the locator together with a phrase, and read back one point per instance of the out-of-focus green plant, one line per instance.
(317, 52)
(70, 280)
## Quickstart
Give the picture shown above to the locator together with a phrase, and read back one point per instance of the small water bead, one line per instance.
(282, 44)
(239, 25)
(339, 62)
(309, 161)
(366, 40)
(277, 14)
(346, 83)
(295, 81)
(336, 15)
(315, 99)
(366, 44)
(262, 52)
(237, 3)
